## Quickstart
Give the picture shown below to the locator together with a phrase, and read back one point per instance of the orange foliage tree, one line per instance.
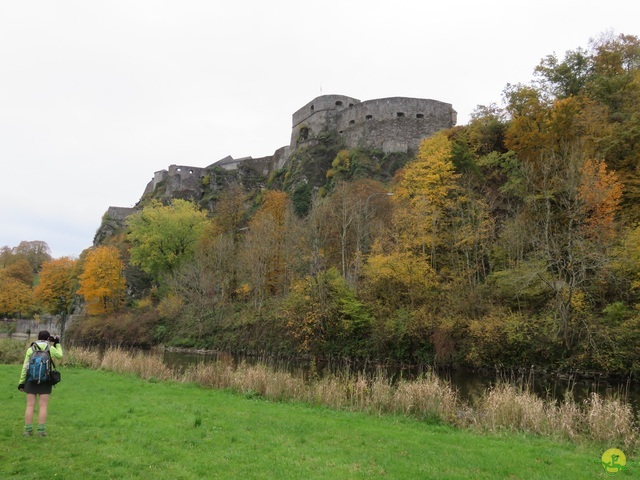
(601, 193)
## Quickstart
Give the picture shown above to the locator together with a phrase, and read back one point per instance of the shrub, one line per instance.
(12, 351)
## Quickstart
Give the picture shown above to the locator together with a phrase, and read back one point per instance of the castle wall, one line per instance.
(395, 124)
(319, 114)
(334, 103)
(119, 213)
(183, 177)
(159, 176)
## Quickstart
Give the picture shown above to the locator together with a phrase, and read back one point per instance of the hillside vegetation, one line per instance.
(509, 241)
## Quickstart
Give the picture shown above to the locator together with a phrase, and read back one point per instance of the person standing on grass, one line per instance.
(33, 389)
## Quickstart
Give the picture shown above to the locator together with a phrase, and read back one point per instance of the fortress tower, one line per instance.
(395, 124)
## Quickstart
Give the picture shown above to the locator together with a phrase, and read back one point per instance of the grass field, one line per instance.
(104, 425)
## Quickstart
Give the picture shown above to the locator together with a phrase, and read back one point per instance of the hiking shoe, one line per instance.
(27, 434)
(42, 434)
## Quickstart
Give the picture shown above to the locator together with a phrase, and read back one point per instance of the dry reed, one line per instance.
(503, 407)
(81, 357)
(610, 420)
(144, 365)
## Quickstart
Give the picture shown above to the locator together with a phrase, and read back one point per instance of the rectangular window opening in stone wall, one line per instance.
(419, 115)
(400, 114)
(369, 117)
(338, 103)
(351, 122)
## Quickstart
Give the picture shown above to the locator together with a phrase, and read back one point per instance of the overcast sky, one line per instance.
(95, 96)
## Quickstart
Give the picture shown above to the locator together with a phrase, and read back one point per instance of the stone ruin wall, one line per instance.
(395, 124)
(184, 178)
(119, 213)
(178, 178)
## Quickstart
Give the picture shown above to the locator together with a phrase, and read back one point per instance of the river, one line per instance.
(469, 384)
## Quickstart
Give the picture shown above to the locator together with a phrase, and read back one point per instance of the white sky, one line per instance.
(97, 95)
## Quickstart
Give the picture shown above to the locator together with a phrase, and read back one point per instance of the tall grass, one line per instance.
(12, 351)
(607, 420)
(144, 365)
(601, 419)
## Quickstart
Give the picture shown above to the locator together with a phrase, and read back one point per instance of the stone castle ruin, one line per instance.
(395, 124)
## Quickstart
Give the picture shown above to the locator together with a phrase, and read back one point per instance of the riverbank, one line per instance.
(104, 425)
(603, 420)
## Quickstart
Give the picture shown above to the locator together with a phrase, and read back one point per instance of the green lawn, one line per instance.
(107, 426)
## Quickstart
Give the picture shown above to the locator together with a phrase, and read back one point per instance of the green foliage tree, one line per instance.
(163, 236)
(324, 316)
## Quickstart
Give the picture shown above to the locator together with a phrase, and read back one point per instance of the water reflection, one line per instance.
(470, 385)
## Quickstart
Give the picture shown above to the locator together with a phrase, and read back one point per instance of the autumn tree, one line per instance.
(602, 87)
(203, 286)
(21, 270)
(230, 210)
(16, 280)
(16, 297)
(324, 316)
(627, 260)
(35, 252)
(58, 282)
(164, 236)
(341, 225)
(398, 279)
(102, 282)
(570, 211)
(269, 247)
(423, 195)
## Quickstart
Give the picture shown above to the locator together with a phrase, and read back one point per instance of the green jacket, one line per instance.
(56, 352)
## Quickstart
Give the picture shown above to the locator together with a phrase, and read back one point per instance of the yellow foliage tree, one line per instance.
(20, 270)
(401, 277)
(102, 282)
(58, 280)
(423, 194)
(15, 296)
